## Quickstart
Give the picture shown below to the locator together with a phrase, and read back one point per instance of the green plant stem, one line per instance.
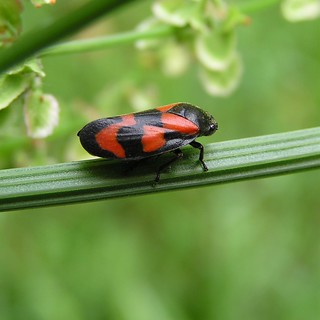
(107, 41)
(99, 179)
(31, 44)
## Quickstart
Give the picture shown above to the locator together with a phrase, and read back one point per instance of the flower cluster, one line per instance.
(208, 28)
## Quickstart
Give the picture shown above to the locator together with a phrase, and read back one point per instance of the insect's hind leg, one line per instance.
(199, 146)
(133, 164)
(178, 155)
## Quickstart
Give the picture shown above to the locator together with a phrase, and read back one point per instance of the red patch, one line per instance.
(167, 107)
(153, 138)
(179, 124)
(107, 137)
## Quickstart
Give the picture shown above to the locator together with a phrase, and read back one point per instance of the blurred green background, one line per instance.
(248, 250)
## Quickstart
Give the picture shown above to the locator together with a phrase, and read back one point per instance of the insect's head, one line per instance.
(211, 125)
(207, 124)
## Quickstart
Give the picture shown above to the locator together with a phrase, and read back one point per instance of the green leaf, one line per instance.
(299, 10)
(234, 18)
(222, 83)
(30, 66)
(41, 114)
(174, 12)
(175, 59)
(11, 87)
(17, 81)
(198, 17)
(10, 21)
(229, 161)
(215, 50)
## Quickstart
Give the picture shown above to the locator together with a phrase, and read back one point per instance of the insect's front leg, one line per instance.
(178, 155)
(199, 146)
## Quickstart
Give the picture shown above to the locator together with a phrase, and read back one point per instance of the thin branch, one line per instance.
(99, 43)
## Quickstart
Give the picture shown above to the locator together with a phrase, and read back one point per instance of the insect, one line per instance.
(139, 135)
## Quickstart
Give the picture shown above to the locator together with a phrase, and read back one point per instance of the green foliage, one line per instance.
(40, 110)
(39, 3)
(209, 26)
(41, 113)
(300, 10)
(211, 29)
(227, 251)
(10, 21)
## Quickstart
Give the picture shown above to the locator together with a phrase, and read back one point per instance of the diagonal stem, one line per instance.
(30, 44)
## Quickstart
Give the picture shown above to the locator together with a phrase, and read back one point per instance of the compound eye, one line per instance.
(212, 128)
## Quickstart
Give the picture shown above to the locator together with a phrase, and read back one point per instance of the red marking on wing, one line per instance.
(178, 123)
(167, 107)
(153, 138)
(107, 137)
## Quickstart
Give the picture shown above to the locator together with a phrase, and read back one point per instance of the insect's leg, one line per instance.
(133, 164)
(178, 155)
(199, 146)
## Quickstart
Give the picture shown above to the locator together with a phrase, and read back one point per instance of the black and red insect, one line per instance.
(139, 135)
